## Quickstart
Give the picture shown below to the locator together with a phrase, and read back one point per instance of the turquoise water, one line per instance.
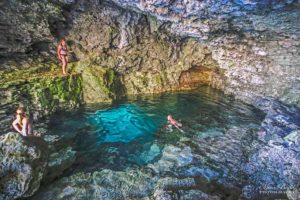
(132, 132)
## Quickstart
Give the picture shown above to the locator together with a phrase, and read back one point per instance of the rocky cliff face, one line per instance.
(256, 43)
(247, 48)
(40, 93)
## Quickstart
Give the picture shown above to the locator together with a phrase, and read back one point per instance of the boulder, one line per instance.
(22, 165)
(172, 158)
(58, 162)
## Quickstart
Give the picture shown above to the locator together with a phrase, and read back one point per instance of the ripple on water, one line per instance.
(132, 132)
(122, 124)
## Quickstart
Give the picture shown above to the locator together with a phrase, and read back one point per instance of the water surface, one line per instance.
(132, 132)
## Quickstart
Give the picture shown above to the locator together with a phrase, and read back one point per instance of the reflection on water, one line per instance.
(131, 132)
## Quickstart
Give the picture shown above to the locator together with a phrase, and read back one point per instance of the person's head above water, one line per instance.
(169, 117)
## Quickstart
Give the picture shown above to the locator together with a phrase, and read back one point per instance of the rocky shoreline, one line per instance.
(246, 48)
(180, 173)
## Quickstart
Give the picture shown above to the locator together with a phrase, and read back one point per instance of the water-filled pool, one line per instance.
(132, 133)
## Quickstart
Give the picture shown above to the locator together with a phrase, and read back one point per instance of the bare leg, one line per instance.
(64, 64)
(67, 61)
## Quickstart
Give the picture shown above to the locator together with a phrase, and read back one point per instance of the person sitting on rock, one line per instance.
(22, 123)
(173, 122)
(62, 53)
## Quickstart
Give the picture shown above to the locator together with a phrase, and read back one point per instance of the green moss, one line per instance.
(157, 79)
(49, 94)
(110, 77)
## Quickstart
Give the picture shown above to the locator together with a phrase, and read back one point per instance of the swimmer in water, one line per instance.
(173, 122)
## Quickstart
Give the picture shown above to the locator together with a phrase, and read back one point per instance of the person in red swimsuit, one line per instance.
(62, 53)
(173, 122)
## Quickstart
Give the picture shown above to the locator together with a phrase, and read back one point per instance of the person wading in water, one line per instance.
(62, 53)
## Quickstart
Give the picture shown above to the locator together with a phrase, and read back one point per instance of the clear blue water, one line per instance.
(132, 132)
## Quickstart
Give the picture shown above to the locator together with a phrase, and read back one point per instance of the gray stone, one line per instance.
(105, 184)
(22, 165)
(251, 44)
(172, 158)
(196, 195)
(58, 162)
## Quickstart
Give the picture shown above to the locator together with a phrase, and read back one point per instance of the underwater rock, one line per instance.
(172, 158)
(170, 183)
(175, 188)
(210, 133)
(148, 155)
(22, 165)
(204, 172)
(58, 162)
(129, 184)
(51, 139)
(105, 184)
(222, 158)
(196, 195)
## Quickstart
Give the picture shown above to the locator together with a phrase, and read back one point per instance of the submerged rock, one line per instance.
(129, 184)
(196, 195)
(105, 184)
(22, 165)
(172, 158)
(58, 162)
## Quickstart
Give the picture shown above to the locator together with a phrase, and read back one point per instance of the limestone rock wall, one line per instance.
(254, 45)
(41, 96)
(147, 59)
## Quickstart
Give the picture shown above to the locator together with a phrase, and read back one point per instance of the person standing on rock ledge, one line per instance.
(62, 53)
(22, 123)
